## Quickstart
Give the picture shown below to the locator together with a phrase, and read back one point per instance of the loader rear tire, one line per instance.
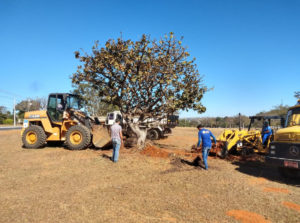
(33, 137)
(78, 137)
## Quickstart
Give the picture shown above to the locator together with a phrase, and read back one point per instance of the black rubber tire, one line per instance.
(244, 152)
(153, 134)
(85, 137)
(40, 135)
(224, 151)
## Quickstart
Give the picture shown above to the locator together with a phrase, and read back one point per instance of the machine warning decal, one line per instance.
(25, 123)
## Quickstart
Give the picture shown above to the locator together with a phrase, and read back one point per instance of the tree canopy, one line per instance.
(30, 105)
(144, 78)
(91, 100)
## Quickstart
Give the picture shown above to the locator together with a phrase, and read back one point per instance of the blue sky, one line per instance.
(247, 50)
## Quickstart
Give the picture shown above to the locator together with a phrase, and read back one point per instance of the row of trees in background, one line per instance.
(233, 121)
(7, 117)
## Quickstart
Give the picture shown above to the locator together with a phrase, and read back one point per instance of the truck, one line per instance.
(284, 152)
(157, 128)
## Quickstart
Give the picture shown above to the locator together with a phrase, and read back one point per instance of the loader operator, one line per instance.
(205, 135)
(266, 132)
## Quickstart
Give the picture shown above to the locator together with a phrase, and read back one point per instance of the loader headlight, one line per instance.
(272, 152)
(272, 147)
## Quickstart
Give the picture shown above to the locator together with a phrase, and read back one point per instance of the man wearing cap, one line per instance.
(266, 132)
(204, 136)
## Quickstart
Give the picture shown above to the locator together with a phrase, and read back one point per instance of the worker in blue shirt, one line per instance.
(204, 136)
(266, 132)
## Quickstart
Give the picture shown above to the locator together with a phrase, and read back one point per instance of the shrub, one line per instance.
(8, 121)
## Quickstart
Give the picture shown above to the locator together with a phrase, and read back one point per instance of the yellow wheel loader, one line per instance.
(63, 121)
(245, 142)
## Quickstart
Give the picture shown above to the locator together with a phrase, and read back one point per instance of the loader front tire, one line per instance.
(78, 137)
(33, 137)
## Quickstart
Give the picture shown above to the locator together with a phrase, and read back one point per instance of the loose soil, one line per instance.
(247, 217)
(276, 190)
(292, 205)
(163, 183)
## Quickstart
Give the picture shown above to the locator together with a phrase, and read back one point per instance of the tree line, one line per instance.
(234, 121)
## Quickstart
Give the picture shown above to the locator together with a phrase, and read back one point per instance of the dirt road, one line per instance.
(57, 185)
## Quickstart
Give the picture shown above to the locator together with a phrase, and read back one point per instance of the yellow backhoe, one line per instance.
(245, 141)
(63, 121)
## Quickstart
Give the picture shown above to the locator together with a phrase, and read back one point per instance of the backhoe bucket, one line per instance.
(101, 136)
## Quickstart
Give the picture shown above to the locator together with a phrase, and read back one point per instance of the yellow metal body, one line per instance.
(290, 134)
(55, 131)
(240, 139)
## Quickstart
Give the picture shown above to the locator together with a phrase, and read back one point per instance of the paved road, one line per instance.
(10, 128)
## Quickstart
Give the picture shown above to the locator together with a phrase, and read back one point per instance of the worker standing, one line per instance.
(117, 139)
(266, 132)
(204, 136)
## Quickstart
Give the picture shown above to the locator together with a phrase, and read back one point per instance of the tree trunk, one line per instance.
(140, 133)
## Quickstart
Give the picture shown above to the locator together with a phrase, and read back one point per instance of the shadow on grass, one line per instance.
(178, 163)
(104, 148)
(261, 169)
(106, 156)
(197, 162)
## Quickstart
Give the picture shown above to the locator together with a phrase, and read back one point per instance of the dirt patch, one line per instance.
(153, 151)
(291, 205)
(276, 190)
(248, 158)
(247, 216)
(10, 132)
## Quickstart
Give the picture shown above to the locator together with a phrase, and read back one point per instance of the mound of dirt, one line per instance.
(247, 216)
(153, 151)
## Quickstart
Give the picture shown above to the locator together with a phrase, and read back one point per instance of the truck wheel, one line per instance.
(78, 137)
(153, 134)
(168, 131)
(34, 137)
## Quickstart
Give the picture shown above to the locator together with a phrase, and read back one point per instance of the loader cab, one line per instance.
(58, 103)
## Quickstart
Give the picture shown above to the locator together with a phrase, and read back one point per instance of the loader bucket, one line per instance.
(101, 136)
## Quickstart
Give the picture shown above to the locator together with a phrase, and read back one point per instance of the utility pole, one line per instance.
(240, 121)
(14, 111)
